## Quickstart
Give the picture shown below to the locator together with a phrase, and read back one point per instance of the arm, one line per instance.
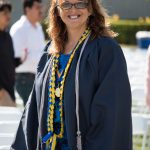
(111, 105)
(19, 45)
(19, 60)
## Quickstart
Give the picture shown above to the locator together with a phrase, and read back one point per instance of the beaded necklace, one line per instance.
(51, 137)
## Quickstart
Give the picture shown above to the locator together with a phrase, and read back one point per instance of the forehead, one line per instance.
(37, 3)
(5, 10)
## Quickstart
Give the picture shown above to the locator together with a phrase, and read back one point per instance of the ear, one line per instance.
(90, 14)
(90, 10)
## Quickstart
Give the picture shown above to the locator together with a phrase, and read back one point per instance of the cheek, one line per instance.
(0, 18)
(3, 19)
(34, 12)
(63, 15)
(86, 13)
(8, 18)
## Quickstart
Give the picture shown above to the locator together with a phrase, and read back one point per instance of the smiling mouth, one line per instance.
(74, 17)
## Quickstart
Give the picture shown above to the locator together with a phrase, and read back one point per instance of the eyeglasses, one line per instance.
(79, 5)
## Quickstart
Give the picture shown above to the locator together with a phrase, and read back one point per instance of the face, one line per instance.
(35, 11)
(74, 17)
(4, 18)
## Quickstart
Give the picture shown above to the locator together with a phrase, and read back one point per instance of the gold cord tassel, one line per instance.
(54, 142)
(47, 144)
(51, 139)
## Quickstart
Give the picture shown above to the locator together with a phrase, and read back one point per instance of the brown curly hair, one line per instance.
(97, 23)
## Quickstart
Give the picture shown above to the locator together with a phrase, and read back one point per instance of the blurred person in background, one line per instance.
(7, 60)
(148, 79)
(28, 40)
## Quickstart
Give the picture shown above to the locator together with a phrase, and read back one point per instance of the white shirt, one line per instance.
(27, 36)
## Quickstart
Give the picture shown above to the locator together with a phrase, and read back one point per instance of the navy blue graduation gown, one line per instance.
(105, 101)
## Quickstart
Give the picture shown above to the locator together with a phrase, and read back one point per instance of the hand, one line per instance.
(25, 55)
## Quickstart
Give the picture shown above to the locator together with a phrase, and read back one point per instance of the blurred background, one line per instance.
(131, 20)
(127, 17)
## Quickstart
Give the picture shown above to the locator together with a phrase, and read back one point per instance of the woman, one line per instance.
(54, 119)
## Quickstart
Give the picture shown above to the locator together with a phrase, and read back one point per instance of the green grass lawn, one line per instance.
(129, 22)
(137, 143)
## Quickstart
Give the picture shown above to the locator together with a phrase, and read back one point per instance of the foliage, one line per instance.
(126, 29)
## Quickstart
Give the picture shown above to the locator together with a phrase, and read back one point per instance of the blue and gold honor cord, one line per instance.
(51, 138)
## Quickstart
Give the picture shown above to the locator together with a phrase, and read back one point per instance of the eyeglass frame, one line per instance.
(73, 4)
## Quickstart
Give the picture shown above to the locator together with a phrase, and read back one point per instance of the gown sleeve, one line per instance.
(110, 127)
(27, 130)
(26, 136)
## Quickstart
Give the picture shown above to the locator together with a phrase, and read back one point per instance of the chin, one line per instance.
(75, 26)
(6, 25)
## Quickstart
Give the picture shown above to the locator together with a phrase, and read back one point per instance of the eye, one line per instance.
(66, 5)
(81, 5)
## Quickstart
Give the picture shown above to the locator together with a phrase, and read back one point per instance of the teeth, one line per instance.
(73, 17)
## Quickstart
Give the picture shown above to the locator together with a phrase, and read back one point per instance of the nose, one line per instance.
(73, 8)
(8, 16)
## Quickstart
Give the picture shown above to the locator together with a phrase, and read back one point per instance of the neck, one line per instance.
(75, 34)
(31, 20)
(73, 37)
